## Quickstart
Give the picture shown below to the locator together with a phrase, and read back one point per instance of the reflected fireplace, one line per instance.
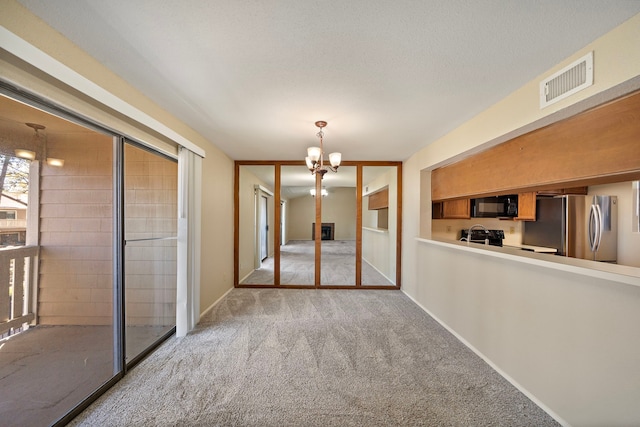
(326, 233)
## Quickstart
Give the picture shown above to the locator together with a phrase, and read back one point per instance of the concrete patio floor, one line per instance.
(48, 370)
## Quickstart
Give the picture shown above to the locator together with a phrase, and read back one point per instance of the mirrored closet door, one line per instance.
(379, 225)
(293, 229)
(256, 224)
(297, 214)
(338, 229)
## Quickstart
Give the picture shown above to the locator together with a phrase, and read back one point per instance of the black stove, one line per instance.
(479, 235)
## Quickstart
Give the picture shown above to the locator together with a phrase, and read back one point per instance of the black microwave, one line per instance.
(495, 207)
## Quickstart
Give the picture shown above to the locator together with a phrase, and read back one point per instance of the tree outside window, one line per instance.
(14, 199)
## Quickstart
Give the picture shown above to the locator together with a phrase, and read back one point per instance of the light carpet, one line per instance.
(287, 357)
(297, 266)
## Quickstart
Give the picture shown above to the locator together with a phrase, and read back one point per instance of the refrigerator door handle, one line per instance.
(593, 232)
(600, 226)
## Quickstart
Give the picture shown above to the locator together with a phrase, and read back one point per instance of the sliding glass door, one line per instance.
(88, 259)
(150, 232)
(57, 342)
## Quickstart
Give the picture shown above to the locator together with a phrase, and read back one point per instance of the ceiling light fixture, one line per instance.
(55, 162)
(315, 156)
(37, 138)
(25, 154)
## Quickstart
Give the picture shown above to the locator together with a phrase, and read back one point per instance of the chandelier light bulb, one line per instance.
(323, 192)
(314, 153)
(334, 159)
(315, 156)
(309, 162)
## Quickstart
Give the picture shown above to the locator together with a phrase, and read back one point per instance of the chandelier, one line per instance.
(315, 156)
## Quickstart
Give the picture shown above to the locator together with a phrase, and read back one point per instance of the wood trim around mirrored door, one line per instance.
(359, 226)
(277, 232)
(399, 229)
(236, 225)
(318, 231)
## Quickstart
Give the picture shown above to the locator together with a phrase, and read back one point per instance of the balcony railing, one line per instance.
(13, 224)
(18, 299)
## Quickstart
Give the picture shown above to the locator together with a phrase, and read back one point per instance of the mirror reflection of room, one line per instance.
(256, 220)
(379, 219)
(297, 249)
(357, 235)
(339, 221)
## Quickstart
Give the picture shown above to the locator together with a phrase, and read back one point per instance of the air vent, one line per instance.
(571, 79)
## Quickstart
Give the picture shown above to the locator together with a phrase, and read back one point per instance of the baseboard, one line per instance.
(208, 309)
(244, 278)
(490, 363)
(393, 282)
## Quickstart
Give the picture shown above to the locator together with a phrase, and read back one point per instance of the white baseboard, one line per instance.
(380, 272)
(208, 309)
(490, 363)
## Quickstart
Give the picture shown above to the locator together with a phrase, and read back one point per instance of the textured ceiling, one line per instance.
(389, 77)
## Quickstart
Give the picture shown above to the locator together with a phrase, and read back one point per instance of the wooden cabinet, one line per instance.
(595, 147)
(456, 209)
(563, 191)
(527, 201)
(526, 206)
(461, 208)
(436, 210)
(379, 199)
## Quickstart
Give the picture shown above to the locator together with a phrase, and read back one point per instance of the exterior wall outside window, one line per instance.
(76, 222)
(151, 197)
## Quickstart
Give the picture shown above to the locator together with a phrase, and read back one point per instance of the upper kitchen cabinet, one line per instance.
(379, 199)
(564, 191)
(598, 146)
(526, 206)
(452, 209)
(527, 201)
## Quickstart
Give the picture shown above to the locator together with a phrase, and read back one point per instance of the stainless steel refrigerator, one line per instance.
(577, 226)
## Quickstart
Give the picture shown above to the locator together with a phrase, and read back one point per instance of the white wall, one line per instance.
(566, 338)
(216, 256)
(339, 207)
(301, 214)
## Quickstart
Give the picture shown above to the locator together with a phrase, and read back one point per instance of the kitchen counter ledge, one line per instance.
(614, 272)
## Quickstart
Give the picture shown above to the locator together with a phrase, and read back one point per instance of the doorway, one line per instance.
(263, 226)
(263, 239)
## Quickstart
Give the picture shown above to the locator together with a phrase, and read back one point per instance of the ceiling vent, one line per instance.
(571, 79)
